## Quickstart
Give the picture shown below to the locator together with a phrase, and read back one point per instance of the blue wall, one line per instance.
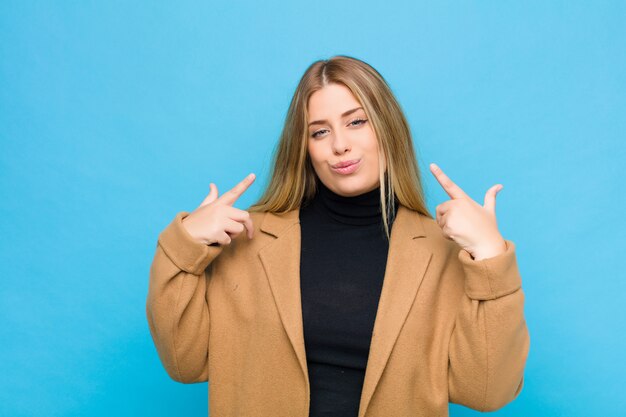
(116, 115)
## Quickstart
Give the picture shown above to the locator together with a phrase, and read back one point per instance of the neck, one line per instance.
(362, 209)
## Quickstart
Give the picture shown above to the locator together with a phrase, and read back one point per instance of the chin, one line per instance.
(350, 190)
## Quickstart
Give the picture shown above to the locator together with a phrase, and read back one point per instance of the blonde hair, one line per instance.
(292, 180)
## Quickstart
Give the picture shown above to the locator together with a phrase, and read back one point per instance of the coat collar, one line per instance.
(408, 257)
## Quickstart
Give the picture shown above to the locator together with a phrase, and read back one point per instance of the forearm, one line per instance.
(490, 341)
(176, 308)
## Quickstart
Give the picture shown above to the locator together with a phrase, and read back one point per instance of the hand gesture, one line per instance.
(216, 221)
(472, 226)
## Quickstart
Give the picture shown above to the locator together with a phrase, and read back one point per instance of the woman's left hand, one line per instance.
(466, 222)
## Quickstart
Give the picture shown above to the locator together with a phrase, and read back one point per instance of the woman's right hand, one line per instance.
(216, 221)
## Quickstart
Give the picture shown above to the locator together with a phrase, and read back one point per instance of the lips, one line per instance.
(345, 163)
(348, 168)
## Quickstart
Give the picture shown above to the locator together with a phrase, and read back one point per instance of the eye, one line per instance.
(315, 134)
(361, 121)
(355, 122)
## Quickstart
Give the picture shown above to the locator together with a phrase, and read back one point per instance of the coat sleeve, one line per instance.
(490, 341)
(176, 306)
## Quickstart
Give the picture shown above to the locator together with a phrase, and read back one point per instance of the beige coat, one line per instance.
(448, 328)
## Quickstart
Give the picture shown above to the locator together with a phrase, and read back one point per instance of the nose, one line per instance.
(340, 144)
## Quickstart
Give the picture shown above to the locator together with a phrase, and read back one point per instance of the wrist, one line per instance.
(489, 251)
(191, 233)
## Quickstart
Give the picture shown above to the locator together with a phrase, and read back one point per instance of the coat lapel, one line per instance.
(281, 261)
(407, 260)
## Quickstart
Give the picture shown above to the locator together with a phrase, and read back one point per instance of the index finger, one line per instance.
(230, 196)
(453, 190)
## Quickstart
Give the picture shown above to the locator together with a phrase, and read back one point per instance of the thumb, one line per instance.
(212, 195)
(490, 198)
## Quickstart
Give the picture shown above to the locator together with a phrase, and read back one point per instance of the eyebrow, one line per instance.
(344, 114)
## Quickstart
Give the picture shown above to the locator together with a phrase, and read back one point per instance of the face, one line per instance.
(340, 132)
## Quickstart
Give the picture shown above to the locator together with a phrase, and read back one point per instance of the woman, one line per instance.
(344, 297)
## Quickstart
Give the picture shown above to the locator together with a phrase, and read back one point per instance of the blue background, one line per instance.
(115, 116)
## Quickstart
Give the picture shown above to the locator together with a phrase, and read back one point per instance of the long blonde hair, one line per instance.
(292, 180)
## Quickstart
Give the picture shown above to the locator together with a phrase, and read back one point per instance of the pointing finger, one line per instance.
(234, 193)
(453, 190)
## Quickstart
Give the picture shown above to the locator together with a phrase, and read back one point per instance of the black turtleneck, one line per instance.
(343, 259)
